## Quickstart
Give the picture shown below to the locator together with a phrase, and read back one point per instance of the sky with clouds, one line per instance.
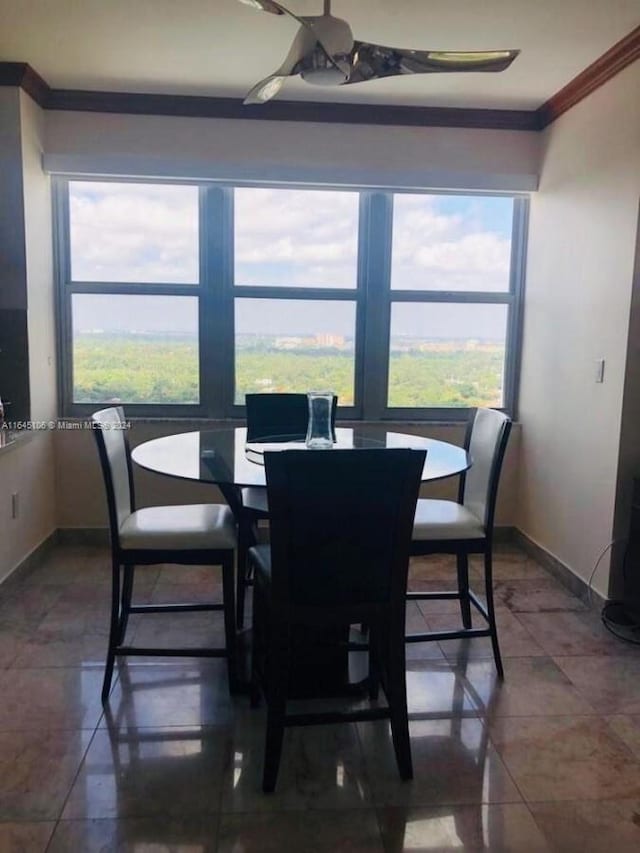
(149, 233)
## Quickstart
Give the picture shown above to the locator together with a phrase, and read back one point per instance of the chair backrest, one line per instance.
(109, 429)
(486, 443)
(340, 525)
(280, 415)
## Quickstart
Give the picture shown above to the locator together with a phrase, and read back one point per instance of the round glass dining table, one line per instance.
(225, 458)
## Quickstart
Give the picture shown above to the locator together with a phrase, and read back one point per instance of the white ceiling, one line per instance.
(221, 47)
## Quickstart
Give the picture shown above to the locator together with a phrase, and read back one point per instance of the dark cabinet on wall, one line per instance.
(14, 364)
(632, 559)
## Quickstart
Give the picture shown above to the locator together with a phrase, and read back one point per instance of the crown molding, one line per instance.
(622, 54)
(77, 100)
(305, 111)
(23, 76)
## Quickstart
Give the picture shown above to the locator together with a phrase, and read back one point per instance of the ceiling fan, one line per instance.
(325, 53)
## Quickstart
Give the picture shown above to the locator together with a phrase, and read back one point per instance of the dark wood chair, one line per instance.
(272, 417)
(341, 524)
(280, 416)
(465, 527)
(198, 534)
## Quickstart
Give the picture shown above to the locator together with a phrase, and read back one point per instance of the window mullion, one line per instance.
(481, 297)
(274, 291)
(216, 307)
(513, 343)
(375, 268)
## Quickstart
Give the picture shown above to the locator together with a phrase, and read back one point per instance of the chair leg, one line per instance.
(273, 745)
(276, 694)
(114, 629)
(374, 664)
(229, 622)
(127, 593)
(241, 581)
(397, 696)
(488, 579)
(246, 539)
(462, 565)
(257, 644)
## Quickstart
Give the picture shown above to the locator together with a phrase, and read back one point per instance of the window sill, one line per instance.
(203, 423)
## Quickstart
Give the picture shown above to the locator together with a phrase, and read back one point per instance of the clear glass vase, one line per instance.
(319, 433)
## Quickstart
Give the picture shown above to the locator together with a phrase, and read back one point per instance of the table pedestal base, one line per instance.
(319, 663)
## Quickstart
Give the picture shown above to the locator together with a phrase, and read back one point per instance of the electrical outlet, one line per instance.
(15, 505)
(600, 370)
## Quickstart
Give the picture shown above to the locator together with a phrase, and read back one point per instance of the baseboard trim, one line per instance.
(560, 571)
(503, 534)
(83, 536)
(31, 562)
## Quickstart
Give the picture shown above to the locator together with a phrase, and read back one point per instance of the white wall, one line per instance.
(163, 146)
(28, 470)
(580, 263)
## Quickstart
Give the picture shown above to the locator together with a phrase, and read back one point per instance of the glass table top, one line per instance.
(224, 457)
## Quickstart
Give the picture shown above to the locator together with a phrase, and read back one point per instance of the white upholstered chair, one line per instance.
(200, 534)
(465, 527)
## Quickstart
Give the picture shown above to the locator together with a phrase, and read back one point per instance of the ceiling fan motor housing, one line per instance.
(329, 62)
(318, 69)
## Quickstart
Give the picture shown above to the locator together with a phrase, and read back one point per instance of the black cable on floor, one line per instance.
(616, 620)
(615, 616)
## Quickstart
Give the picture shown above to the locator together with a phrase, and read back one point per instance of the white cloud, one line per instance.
(434, 250)
(145, 232)
(134, 232)
(296, 237)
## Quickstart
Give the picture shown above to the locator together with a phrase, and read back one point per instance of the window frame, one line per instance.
(216, 292)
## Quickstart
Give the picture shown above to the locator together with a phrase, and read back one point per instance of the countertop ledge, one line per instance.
(12, 440)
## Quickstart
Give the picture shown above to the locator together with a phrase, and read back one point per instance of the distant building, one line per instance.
(328, 340)
(288, 343)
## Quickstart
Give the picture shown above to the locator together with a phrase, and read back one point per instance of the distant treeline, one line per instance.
(135, 369)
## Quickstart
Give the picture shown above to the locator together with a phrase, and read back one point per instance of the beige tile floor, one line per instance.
(547, 761)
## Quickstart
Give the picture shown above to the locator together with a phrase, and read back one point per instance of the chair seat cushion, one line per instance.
(445, 520)
(191, 527)
(254, 499)
(260, 556)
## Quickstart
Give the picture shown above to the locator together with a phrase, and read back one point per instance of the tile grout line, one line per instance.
(71, 787)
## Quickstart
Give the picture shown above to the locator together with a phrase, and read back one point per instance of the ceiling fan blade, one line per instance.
(265, 6)
(271, 85)
(265, 89)
(373, 61)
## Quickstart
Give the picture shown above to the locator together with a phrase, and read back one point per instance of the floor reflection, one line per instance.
(495, 828)
(547, 760)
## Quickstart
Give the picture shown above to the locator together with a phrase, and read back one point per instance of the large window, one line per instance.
(180, 299)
